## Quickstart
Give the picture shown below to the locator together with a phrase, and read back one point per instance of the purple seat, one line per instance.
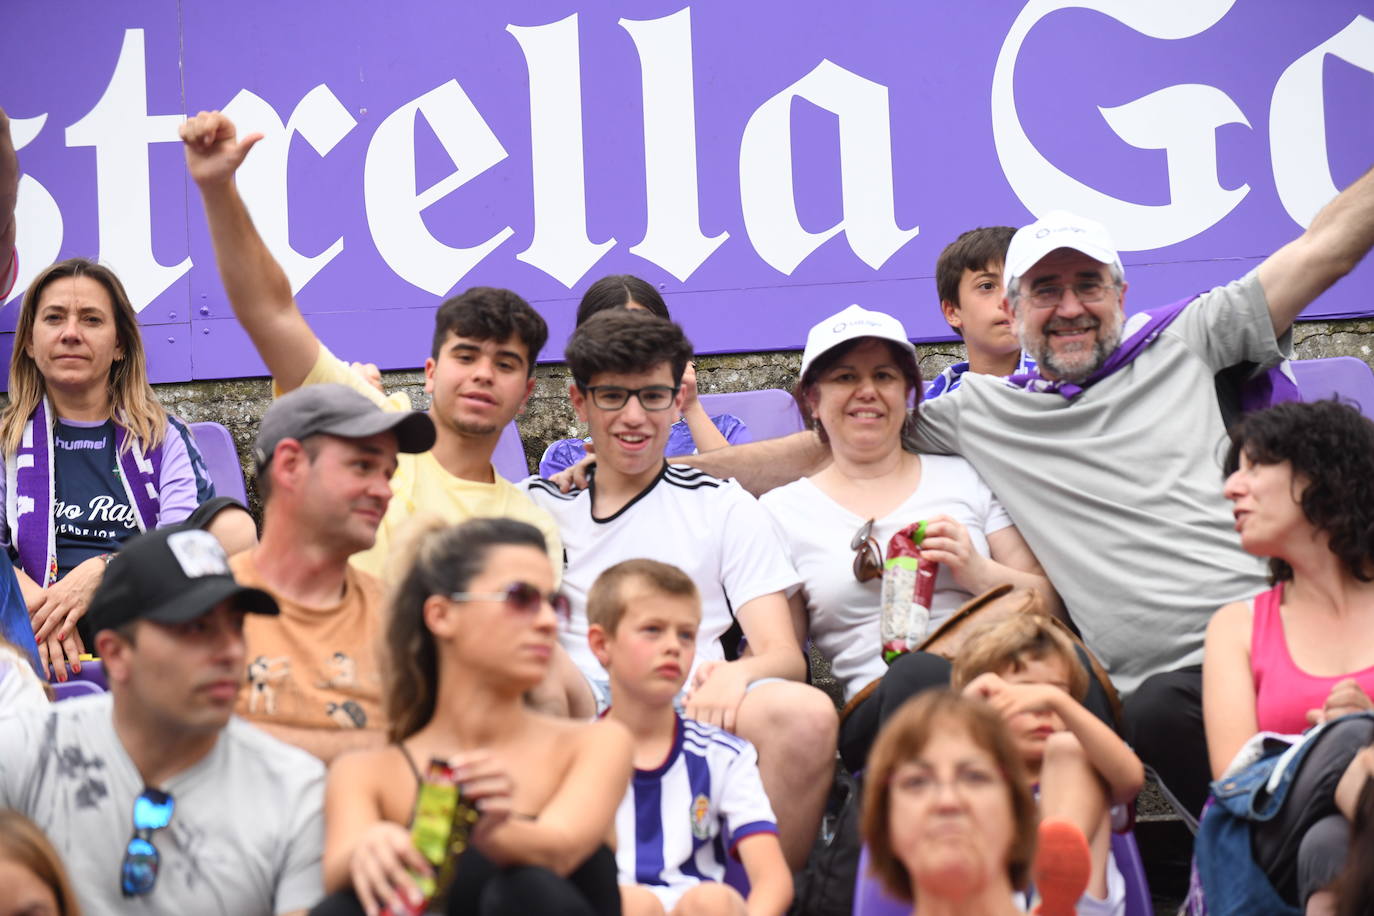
(769, 413)
(1346, 376)
(92, 672)
(871, 900)
(221, 459)
(70, 689)
(509, 457)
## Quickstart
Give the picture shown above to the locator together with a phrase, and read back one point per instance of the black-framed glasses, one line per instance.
(1088, 292)
(152, 811)
(868, 556)
(651, 397)
(522, 598)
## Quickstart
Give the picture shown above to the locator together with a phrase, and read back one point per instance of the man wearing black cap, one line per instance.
(325, 456)
(157, 798)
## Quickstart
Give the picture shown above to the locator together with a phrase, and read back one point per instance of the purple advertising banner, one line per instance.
(764, 164)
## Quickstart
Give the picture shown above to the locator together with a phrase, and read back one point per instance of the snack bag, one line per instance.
(439, 829)
(908, 586)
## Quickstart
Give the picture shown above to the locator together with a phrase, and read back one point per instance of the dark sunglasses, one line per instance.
(868, 556)
(522, 598)
(152, 812)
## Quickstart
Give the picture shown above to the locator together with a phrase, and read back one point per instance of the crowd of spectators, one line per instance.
(419, 687)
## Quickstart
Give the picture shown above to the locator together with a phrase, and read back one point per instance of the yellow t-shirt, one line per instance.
(422, 485)
(314, 668)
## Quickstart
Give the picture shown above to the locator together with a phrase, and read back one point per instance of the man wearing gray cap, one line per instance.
(158, 799)
(325, 455)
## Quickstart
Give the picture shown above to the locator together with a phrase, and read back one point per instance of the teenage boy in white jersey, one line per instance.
(695, 798)
(627, 369)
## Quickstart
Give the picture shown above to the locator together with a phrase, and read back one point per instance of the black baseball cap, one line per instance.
(170, 575)
(337, 410)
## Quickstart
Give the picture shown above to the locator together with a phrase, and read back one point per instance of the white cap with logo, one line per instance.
(1057, 229)
(851, 324)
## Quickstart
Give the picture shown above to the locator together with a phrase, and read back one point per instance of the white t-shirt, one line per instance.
(677, 823)
(246, 832)
(20, 689)
(709, 528)
(843, 611)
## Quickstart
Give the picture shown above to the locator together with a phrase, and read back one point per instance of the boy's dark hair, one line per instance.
(973, 250)
(624, 341)
(606, 597)
(1007, 644)
(489, 313)
(1330, 447)
(617, 291)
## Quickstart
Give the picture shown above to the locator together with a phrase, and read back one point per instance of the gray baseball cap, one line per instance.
(337, 410)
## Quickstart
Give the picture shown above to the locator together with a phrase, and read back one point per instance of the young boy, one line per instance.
(968, 278)
(696, 794)
(1026, 667)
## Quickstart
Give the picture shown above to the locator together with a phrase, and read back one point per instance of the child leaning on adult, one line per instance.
(1301, 478)
(858, 376)
(91, 456)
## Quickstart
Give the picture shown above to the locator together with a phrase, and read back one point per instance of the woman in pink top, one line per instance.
(1301, 478)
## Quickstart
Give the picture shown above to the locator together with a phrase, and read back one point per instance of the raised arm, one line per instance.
(763, 466)
(9, 195)
(258, 288)
(1339, 236)
(1228, 686)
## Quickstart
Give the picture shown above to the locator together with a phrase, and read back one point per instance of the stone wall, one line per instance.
(239, 403)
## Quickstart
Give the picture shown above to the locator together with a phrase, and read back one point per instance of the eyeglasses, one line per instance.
(868, 556)
(1088, 292)
(152, 812)
(522, 598)
(651, 397)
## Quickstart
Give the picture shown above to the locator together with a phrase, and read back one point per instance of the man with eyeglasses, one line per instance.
(325, 456)
(1106, 457)
(627, 370)
(159, 799)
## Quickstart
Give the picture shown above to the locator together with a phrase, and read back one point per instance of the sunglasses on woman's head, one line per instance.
(152, 811)
(868, 556)
(522, 598)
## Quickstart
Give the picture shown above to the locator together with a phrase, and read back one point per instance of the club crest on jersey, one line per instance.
(701, 817)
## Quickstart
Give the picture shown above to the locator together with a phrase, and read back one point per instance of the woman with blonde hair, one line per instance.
(91, 457)
(472, 627)
(32, 879)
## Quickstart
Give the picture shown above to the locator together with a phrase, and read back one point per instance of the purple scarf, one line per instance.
(1272, 387)
(29, 492)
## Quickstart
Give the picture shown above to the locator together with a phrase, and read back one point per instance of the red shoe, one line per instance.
(1063, 867)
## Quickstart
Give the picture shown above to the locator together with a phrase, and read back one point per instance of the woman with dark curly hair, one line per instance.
(1301, 478)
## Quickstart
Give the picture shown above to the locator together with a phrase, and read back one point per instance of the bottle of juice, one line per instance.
(908, 587)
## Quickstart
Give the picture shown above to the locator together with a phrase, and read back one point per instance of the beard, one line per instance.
(1081, 360)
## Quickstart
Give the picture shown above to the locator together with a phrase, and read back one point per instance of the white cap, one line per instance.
(851, 324)
(1055, 230)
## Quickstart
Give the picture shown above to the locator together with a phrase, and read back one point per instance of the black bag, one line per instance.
(826, 886)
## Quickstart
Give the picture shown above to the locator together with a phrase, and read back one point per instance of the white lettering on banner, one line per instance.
(120, 129)
(394, 209)
(1181, 120)
(765, 171)
(322, 121)
(1297, 121)
(560, 247)
(35, 212)
(673, 238)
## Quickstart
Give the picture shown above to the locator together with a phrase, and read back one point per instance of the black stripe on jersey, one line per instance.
(689, 478)
(551, 488)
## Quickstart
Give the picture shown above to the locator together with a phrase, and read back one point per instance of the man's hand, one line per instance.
(66, 600)
(213, 152)
(1013, 699)
(718, 687)
(1345, 697)
(369, 373)
(689, 387)
(575, 477)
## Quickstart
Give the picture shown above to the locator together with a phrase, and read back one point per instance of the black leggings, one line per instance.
(479, 888)
(1303, 848)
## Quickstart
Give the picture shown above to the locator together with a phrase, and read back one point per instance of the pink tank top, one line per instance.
(1283, 692)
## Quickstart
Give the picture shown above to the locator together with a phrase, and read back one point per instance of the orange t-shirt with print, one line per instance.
(314, 668)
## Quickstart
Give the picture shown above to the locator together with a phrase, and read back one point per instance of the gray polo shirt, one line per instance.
(1118, 491)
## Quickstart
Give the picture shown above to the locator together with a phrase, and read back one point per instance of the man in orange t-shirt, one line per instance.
(325, 456)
